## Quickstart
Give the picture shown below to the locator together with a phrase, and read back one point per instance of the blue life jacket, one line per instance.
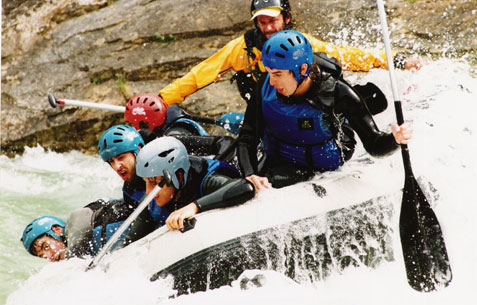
(175, 117)
(97, 240)
(297, 133)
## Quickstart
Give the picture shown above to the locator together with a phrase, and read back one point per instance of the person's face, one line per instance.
(166, 193)
(271, 25)
(50, 248)
(124, 165)
(282, 80)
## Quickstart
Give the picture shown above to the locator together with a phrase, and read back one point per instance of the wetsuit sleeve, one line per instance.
(375, 142)
(250, 134)
(222, 191)
(231, 56)
(79, 232)
(205, 145)
(351, 58)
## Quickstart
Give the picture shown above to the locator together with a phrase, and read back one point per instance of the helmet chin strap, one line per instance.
(302, 78)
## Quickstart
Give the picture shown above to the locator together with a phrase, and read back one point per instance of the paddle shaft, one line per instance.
(423, 246)
(121, 109)
(392, 76)
(144, 203)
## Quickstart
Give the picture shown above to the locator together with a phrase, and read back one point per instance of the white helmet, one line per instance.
(163, 156)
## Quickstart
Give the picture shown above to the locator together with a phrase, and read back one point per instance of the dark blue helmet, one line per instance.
(288, 50)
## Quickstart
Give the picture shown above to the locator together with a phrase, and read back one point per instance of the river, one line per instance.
(441, 102)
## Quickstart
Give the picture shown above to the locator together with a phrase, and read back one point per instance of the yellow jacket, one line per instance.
(234, 56)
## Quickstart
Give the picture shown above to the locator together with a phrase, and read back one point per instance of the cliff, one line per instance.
(107, 51)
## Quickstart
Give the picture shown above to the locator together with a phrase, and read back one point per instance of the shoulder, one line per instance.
(236, 42)
(328, 63)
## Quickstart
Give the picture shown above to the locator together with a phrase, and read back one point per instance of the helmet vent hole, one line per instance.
(117, 133)
(147, 164)
(298, 39)
(117, 141)
(137, 100)
(165, 153)
(284, 47)
(145, 100)
(268, 49)
(171, 160)
(157, 110)
(105, 144)
(279, 55)
(120, 128)
(152, 104)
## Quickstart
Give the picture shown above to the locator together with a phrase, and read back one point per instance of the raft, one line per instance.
(306, 231)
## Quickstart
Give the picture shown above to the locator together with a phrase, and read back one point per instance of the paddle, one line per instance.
(144, 203)
(424, 250)
(231, 121)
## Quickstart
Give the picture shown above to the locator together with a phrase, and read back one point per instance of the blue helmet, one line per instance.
(41, 226)
(119, 139)
(163, 154)
(288, 50)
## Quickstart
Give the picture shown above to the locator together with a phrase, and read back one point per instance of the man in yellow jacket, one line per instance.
(243, 55)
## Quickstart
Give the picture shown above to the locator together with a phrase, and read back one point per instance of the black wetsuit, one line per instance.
(344, 112)
(191, 135)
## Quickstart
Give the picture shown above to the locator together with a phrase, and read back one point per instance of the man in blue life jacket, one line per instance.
(119, 146)
(91, 226)
(84, 233)
(306, 114)
(196, 184)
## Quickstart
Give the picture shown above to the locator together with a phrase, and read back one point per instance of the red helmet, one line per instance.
(145, 108)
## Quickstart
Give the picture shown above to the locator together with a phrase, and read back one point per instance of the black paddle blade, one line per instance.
(425, 254)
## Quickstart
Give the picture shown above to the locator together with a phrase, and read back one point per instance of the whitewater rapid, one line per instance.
(441, 102)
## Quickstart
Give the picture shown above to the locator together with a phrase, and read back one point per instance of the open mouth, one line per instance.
(123, 174)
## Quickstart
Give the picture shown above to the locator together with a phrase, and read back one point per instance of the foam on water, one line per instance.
(441, 102)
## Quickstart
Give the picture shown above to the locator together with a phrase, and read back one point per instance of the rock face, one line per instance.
(107, 51)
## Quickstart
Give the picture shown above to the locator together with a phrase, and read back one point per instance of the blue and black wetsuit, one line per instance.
(311, 133)
(211, 184)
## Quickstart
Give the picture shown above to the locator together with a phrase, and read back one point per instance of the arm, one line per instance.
(231, 56)
(375, 142)
(250, 133)
(221, 191)
(205, 145)
(355, 59)
(78, 232)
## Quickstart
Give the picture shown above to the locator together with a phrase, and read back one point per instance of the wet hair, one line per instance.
(32, 249)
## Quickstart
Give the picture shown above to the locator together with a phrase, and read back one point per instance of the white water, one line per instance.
(440, 100)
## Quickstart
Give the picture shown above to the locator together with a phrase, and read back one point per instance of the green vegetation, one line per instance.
(165, 39)
(121, 83)
(97, 80)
